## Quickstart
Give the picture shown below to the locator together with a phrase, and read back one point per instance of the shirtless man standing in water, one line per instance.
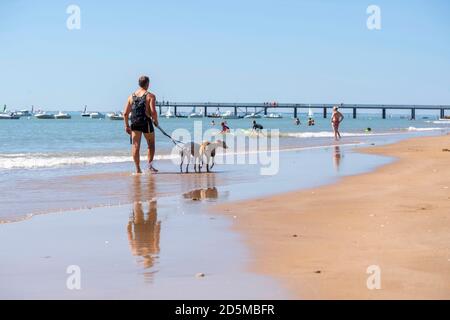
(141, 109)
(336, 120)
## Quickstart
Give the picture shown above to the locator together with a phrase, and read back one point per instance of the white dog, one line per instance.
(199, 153)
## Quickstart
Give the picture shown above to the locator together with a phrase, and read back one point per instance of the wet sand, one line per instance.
(320, 242)
(153, 246)
(146, 250)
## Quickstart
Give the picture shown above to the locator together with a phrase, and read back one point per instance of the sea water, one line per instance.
(29, 143)
(56, 165)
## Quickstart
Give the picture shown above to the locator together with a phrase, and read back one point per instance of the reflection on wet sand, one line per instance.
(202, 194)
(144, 230)
(209, 192)
(337, 157)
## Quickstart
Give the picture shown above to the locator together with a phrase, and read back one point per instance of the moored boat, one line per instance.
(42, 115)
(195, 114)
(116, 116)
(230, 115)
(63, 116)
(85, 114)
(97, 115)
(169, 113)
(253, 115)
(273, 116)
(9, 116)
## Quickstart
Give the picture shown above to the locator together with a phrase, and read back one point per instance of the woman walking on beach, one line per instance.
(336, 120)
(140, 108)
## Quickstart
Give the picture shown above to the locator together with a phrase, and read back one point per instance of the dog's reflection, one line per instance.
(202, 194)
(144, 231)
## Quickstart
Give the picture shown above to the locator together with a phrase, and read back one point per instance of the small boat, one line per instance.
(230, 115)
(169, 113)
(9, 116)
(63, 116)
(195, 114)
(85, 114)
(253, 115)
(116, 116)
(215, 114)
(42, 115)
(97, 115)
(273, 116)
(183, 116)
(24, 113)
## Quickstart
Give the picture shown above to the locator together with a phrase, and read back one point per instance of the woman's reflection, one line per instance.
(144, 229)
(337, 158)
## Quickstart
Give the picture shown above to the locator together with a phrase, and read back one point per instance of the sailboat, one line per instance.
(85, 114)
(169, 113)
(195, 114)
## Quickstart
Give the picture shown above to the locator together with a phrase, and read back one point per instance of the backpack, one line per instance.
(138, 115)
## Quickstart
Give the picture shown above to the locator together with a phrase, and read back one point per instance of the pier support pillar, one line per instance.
(235, 111)
(325, 110)
(442, 113)
(206, 111)
(265, 111)
(175, 111)
(354, 113)
(413, 114)
(160, 110)
(295, 113)
(384, 113)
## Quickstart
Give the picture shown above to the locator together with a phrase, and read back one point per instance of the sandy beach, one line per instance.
(147, 237)
(320, 242)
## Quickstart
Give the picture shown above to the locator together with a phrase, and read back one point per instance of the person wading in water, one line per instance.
(140, 109)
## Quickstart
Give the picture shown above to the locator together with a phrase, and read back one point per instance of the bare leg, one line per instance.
(136, 137)
(335, 130)
(150, 137)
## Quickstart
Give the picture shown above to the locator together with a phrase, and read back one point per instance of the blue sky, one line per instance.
(229, 51)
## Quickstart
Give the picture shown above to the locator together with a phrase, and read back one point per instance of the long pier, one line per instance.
(324, 108)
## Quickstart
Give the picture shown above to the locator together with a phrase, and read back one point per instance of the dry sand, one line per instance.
(320, 242)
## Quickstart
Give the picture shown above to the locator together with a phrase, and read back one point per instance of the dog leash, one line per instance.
(175, 142)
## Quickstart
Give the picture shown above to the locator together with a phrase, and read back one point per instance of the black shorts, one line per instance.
(144, 128)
